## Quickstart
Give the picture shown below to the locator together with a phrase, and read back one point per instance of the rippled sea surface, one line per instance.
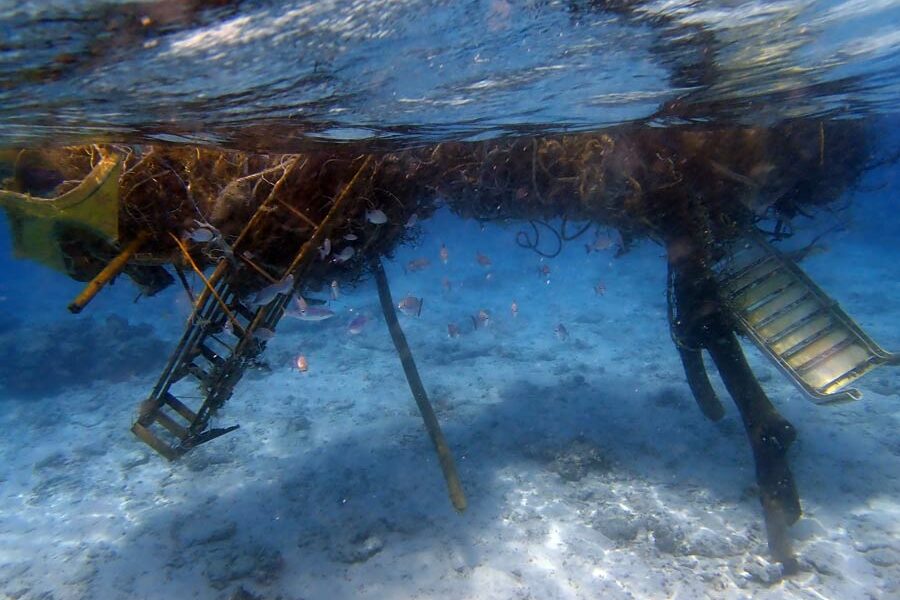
(428, 70)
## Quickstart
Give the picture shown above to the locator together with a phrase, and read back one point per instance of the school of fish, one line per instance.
(410, 305)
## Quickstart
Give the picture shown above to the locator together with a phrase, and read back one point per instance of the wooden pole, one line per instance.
(454, 487)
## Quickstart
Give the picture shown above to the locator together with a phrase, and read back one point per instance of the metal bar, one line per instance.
(299, 214)
(257, 268)
(808, 341)
(337, 209)
(825, 355)
(113, 268)
(457, 495)
(782, 311)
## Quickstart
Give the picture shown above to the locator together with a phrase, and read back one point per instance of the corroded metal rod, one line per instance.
(701, 388)
(457, 496)
(770, 434)
(112, 269)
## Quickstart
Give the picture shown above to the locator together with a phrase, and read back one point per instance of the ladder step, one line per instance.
(808, 341)
(196, 371)
(179, 407)
(243, 310)
(738, 264)
(229, 349)
(147, 436)
(209, 354)
(824, 355)
(170, 424)
(766, 292)
(837, 382)
(794, 322)
(755, 273)
(788, 302)
(813, 315)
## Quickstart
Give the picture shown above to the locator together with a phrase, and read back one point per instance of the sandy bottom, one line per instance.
(589, 471)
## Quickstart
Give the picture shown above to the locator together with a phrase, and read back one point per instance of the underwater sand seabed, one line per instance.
(588, 468)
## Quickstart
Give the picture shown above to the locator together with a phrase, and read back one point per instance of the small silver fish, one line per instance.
(411, 222)
(562, 334)
(376, 217)
(263, 334)
(602, 242)
(344, 255)
(268, 293)
(203, 233)
(411, 305)
(481, 319)
(305, 312)
(351, 237)
(335, 290)
(355, 326)
(417, 264)
(325, 248)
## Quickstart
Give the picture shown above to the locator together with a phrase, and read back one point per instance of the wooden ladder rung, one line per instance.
(209, 354)
(179, 407)
(166, 421)
(147, 436)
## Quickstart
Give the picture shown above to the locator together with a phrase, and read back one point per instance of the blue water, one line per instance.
(588, 469)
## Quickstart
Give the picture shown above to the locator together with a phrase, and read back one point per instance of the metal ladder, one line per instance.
(218, 345)
(796, 324)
